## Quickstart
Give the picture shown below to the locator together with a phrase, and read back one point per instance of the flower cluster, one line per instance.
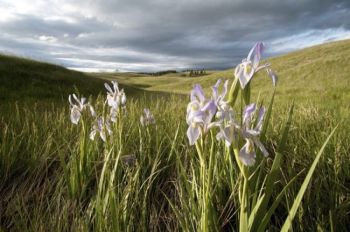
(205, 113)
(102, 124)
(115, 99)
(147, 118)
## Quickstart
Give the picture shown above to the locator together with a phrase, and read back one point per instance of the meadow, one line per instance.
(53, 177)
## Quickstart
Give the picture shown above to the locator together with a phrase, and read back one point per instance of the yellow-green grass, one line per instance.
(320, 74)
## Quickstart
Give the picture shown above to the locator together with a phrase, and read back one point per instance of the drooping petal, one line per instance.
(248, 112)
(261, 146)
(247, 154)
(272, 75)
(210, 109)
(224, 90)
(70, 100)
(76, 98)
(226, 134)
(103, 135)
(109, 89)
(92, 134)
(82, 102)
(115, 86)
(196, 117)
(239, 73)
(197, 93)
(248, 133)
(113, 115)
(123, 98)
(215, 89)
(193, 134)
(75, 115)
(92, 111)
(260, 118)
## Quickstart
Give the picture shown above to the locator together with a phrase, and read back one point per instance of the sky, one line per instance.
(154, 35)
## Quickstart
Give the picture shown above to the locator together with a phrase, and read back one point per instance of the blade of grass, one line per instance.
(272, 176)
(288, 223)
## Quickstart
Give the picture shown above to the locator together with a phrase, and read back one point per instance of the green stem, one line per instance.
(243, 221)
(204, 218)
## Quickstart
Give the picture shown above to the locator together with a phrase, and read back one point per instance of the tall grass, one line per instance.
(148, 178)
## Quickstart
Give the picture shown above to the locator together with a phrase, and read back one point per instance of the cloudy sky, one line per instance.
(150, 35)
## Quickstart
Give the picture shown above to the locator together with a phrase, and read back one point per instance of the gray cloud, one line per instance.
(159, 34)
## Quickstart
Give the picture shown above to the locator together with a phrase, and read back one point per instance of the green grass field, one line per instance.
(53, 178)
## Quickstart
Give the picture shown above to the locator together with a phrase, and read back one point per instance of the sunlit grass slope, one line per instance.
(317, 74)
(21, 79)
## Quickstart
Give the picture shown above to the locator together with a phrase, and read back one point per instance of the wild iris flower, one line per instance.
(249, 66)
(229, 128)
(147, 118)
(100, 127)
(77, 107)
(251, 134)
(115, 99)
(200, 113)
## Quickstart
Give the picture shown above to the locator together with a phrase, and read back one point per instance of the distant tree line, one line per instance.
(196, 73)
(161, 73)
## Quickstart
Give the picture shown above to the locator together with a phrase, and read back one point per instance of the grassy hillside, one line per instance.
(316, 74)
(23, 78)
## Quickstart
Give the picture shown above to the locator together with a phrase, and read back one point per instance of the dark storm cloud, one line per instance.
(152, 34)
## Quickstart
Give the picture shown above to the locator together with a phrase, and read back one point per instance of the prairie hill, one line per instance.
(22, 79)
(316, 74)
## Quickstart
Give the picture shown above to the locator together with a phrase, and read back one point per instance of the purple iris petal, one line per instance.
(240, 74)
(261, 147)
(260, 118)
(224, 135)
(248, 112)
(247, 154)
(215, 89)
(108, 88)
(224, 90)
(193, 134)
(228, 135)
(255, 54)
(197, 93)
(196, 117)
(272, 75)
(210, 108)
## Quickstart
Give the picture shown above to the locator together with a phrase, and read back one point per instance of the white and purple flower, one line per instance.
(101, 127)
(77, 107)
(115, 97)
(251, 134)
(249, 66)
(147, 118)
(200, 113)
